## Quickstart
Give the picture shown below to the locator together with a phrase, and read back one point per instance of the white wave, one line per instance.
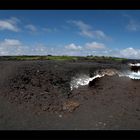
(82, 80)
(131, 75)
(136, 64)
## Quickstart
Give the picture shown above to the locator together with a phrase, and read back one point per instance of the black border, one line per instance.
(70, 4)
(70, 135)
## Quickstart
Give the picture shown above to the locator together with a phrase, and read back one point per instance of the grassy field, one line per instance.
(61, 58)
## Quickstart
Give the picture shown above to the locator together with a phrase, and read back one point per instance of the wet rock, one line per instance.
(135, 68)
(93, 82)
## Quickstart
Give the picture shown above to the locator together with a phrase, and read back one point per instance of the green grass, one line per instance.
(62, 58)
(105, 58)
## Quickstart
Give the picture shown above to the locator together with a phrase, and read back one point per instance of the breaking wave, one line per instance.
(84, 79)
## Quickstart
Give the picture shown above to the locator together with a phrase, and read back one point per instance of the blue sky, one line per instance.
(70, 32)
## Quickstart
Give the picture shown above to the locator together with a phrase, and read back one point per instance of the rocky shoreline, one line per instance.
(43, 87)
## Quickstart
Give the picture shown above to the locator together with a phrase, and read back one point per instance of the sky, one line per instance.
(70, 32)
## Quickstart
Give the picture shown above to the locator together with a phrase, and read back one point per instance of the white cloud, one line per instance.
(94, 46)
(133, 24)
(50, 30)
(9, 24)
(99, 34)
(47, 29)
(84, 50)
(10, 47)
(72, 46)
(31, 28)
(130, 53)
(39, 49)
(10, 42)
(99, 49)
(13, 20)
(86, 30)
(16, 47)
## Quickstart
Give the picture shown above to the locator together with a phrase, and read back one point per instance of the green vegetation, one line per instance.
(61, 58)
(105, 58)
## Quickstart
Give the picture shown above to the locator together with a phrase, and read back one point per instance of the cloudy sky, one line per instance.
(70, 32)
